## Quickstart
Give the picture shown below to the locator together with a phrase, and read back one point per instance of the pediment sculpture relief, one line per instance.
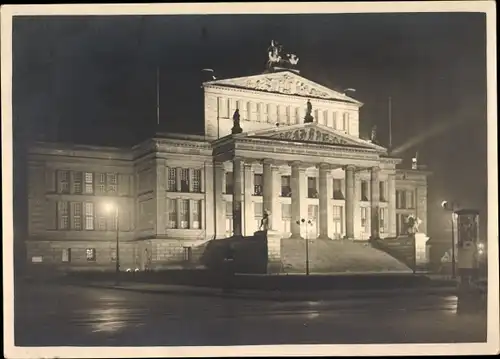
(310, 134)
(286, 84)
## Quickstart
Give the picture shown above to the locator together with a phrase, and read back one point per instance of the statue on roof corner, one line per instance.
(308, 118)
(278, 58)
(236, 123)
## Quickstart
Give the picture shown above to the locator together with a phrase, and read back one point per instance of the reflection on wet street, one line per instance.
(71, 315)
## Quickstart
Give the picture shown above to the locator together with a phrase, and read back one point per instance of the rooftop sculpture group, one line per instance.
(279, 58)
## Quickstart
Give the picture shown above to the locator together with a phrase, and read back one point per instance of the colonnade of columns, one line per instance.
(298, 194)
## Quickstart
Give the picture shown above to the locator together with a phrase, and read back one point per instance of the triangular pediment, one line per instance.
(314, 133)
(284, 82)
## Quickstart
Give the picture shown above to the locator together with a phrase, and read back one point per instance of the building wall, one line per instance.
(412, 184)
(260, 110)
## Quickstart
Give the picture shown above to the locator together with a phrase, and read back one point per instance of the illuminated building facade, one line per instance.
(175, 191)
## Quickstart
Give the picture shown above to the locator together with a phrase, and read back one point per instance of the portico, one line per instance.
(311, 168)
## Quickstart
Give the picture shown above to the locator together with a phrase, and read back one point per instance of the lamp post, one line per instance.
(303, 221)
(450, 206)
(114, 208)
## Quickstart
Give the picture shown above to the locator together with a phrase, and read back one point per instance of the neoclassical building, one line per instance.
(174, 192)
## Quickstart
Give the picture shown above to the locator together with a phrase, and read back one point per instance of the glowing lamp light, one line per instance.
(109, 207)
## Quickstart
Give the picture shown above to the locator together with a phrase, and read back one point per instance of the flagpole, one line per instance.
(158, 96)
(390, 123)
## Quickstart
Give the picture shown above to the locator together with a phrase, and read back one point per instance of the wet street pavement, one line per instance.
(56, 315)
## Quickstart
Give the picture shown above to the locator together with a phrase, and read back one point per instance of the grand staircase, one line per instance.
(338, 256)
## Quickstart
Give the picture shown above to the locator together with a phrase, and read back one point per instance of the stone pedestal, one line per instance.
(421, 253)
(273, 251)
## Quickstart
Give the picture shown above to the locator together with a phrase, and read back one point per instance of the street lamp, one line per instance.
(113, 208)
(303, 221)
(450, 206)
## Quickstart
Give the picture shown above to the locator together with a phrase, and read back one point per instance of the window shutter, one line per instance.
(50, 215)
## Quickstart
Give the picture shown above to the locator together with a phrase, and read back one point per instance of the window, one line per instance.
(259, 112)
(101, 222)
(196, 224)
(63, 215)
(77, 215)
(334, 121)
(89, 182)
(312, 192)
(229, 182)
(90, 254)
(111, 182)
(77, 182)
(172, 180)
(184, 213)
(346, 122)
(337, 221)
(66, 255)
(184, 180)
(89, 216)
(229, 209)
(63, 181)
(197, 181)
(400, 199)
(258, 208)
(102, 183)
(288, 115)
(312, 212)
(297, 115)
(382, 220)
(364, 219)
(286, 190)
(171, 213)
(410, 200)
(382, 191)
(257, 185)
(325, 117)
(188, 254)
(337, 189)
(364, 191)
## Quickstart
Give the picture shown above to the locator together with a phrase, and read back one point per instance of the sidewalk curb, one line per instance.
(281, 296)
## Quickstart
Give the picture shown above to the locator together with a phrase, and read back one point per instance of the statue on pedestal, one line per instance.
(308, 117)
(236, 123)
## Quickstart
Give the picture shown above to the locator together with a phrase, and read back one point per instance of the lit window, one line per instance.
(63, 214)
(90, 254)
(111, 182)
(257, 185)
(337, 220)
(184, 213)
(171, 213)
(172, 179)
(196, 224)
(101, 186)
(77, 215)
(63, 181)
(197, 181)
(312, 212)
(364, 220)
(77, 182)
(89, 216)
(89, 182)
(66, 255)
(382, 220)
(346, 122)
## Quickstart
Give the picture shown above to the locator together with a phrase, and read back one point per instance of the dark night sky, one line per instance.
(92, 80)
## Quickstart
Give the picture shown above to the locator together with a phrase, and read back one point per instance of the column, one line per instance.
(391, 193)
(349, 201)
(269, 191)
(219, 204)
(237, 196)
(374, 201)
(208, 204)
(297, 194)
(324, 168)
(160, 192)
(249, 223)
